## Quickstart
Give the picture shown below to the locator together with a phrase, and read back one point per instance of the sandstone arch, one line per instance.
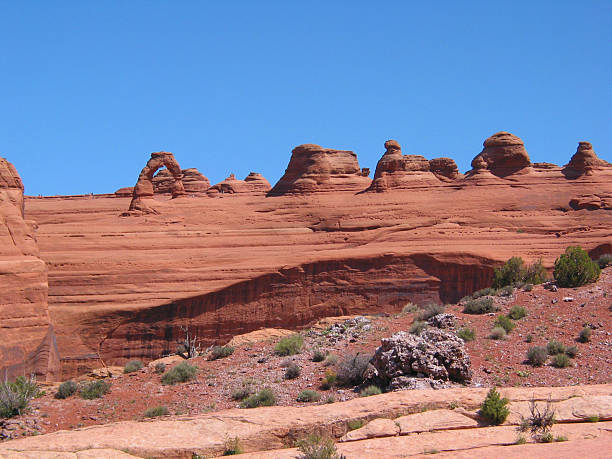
(144, 187)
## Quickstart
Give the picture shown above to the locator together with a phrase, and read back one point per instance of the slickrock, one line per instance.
(27, 339)
(254, 183)
(143, 191)
(380, 427)
(314, 169)
(256, 336)
(584, 162)
(396, 170)
(504, 154)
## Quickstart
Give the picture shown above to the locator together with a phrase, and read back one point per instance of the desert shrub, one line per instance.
(537, 355)
(352, 369)
(593, 419)
(220, 352)
(575, 268)
(559, 438)
(370, 390)
(132, 366)
(292, 371)
(536, 274)
(94, 389)
(290, 345)
(539, 422)
(494, 408)
(571, 351)
(527, 287)
(156, 411)
(409, 308)
(585, 335)
(561, 361)
(330, 360)
(329, 380)
(181, 373)
(479, 306)
(66, 389)
(505, 323)
(318, 355)
(430, 310)
(355, 424)
(512, 271)
(508, 290)
(317, 447)
(308, 396)
(520, 440)
(498, 333)
(489, 291)
(517, 312)
(555, 347)
(243, 391)
(529, 338)
(160, 367)
(264, 397)
(546, 438)
(604, 260)
(466, 334)
(418, 327)
(15, 396)
(232, 447)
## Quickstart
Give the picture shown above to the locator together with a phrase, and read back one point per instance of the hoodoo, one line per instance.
(584, 162)
(27, 339)
(313, 169)
(143, 190)
(504, 154)
(254, 183)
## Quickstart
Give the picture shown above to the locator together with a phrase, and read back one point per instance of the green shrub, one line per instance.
(132, 366)
(497, 333)
(575, 268)
(15, 396)
(308, 396)
(585, 335)
(484, 292)
(511, 272)
(508, 290)
(604, 260)
(528, 287)
(466, 334)
(355, 424)
(430, 310)
(546, 438)
(66, 389)
(264, 397)
(330, 360)
(220, 352)
(292, 371)
(520, 440)
(529, 338)
(536, 274)
(352, 369)
(517, 312)
(505, 323)
(593, 419)
(571, 351)
(479, 306)
(559, 438)
(410, 308)
(242, 392)
(289, 345)
(160, 367)
(370, 390)
(181, 373)
(232, 447)
(555, 347)
(329, 380)
(317, 447)
(318, 355)
(537, 355)
(494, 408)
(155, 412)
(418, 327)
(561, 361)
(94, 389)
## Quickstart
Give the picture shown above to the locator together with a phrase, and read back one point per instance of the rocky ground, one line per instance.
(558, 315)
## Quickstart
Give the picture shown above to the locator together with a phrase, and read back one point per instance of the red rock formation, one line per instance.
(313, 169)
(584, 162)
(254, 183)
(504, 154)
(144, 187)
(398, 171)
(193, 181)
(27, 340)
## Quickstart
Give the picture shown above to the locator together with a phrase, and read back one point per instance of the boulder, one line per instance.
(314, 169)
(253, 183)
(584, 162)
(27, 338)
(504, 154)
(435, 354)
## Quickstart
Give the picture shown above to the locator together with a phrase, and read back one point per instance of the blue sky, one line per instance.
(89, 89)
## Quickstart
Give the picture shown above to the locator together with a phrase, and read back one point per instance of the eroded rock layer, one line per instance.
(27, 340)
(254, 183)
(584, 162)
(504, 154)
(313, 168)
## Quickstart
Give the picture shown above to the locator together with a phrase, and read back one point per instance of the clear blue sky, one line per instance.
(89, 88)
